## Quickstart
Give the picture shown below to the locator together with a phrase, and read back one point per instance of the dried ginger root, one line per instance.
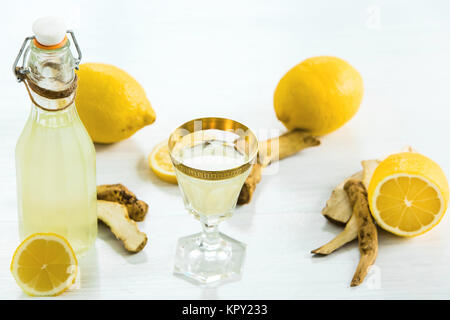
(272, 150)
(369, 167)
(115, 216)
(341, 209)
(250, 184)
(367, 231)
(338, 208)
(137, 209)
(347, 235)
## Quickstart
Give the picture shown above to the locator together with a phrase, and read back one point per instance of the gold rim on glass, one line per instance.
(185, 136)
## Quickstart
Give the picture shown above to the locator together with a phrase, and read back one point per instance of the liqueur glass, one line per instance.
(212, 158)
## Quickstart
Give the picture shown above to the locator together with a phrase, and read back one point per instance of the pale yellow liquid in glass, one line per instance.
(55, 162)
(211, 197)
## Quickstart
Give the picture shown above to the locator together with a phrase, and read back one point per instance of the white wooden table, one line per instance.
(224, 58)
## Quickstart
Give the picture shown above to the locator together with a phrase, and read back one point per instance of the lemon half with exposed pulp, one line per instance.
(44, 264)
(161, 164)
(408, 194)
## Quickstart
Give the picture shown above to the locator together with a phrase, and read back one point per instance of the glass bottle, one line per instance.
(55, 156)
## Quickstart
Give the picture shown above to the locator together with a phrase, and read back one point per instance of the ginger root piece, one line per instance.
(115, 216)
(338, 208)
(137, 209)
(367, 231)
(273, 150)
(349, 234)
(369, 167)
(250, 184)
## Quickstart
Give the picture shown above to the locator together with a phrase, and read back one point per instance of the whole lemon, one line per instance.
(111, 103)
(318, 95)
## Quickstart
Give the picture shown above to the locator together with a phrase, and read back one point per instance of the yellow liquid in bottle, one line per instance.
(55, 163)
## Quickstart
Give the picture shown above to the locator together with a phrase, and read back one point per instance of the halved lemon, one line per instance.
(408, 194)
(44, 264)
(161, 164)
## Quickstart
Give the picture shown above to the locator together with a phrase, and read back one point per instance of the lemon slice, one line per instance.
(44, 264)
(161, 164)
(408, 194)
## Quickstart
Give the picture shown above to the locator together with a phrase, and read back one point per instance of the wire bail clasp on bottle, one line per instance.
(21, 72)
(22, 75)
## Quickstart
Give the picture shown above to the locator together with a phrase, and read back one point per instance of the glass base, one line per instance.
(209, 264)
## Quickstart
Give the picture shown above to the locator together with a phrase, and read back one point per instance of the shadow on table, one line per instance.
(128, 146)
(88, 271)
(242, 217)
(209, 294)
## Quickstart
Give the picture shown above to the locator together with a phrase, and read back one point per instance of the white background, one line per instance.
(224, 58)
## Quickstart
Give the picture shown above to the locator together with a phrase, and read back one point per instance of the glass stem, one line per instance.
(210, 239)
